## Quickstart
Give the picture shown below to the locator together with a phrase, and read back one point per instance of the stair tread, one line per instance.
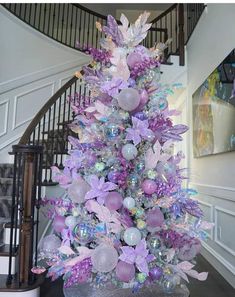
(13, 287)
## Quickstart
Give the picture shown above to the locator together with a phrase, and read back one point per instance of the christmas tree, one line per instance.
(125, 218)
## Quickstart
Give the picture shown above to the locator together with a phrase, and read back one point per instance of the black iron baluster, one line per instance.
(40, 18)
(62, 23)
(49, 21)
(67, 25)
(71, 28)
(75, 28)
(58, 21)
(53, 20)
(44, 17)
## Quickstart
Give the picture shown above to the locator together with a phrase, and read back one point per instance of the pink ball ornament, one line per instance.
(125, 272)
(133, 59)
(59, 223)
(128, 99)
(113, 201)
(144, 97)
(154, 218)
(149, 186)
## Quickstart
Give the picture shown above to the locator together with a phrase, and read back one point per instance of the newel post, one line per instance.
(181, 33)
(25, 211)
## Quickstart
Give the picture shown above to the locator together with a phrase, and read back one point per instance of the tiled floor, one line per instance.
(214, 286)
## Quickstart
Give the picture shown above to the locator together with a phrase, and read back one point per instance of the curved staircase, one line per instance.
(45, 141)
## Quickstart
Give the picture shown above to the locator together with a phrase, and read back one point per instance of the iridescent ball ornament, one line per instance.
(83, 233)
(129, 202)
(112, 131)
(132, 236)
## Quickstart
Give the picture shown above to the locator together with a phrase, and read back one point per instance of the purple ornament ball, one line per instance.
(140, 115)
(149, 186)
(133, 59)
(154, 218)
(113, 176)
(155, 273)
(125, 272)
(59, 223)
(113, 201)
(144, 97)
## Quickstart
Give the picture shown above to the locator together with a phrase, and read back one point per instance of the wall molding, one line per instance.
(217, 240)
(38, 75)
(10, 141)
(227, 193)
(15, 125)
(6, 103)
(211, 234)
(221, 259)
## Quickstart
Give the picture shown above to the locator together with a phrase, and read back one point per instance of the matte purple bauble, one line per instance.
(59, 223)
(113, 201)
(113, 176)
(149, 186)
(155, 273)
(140, 115)
(125, 272)
(133, 59)
(154, 218)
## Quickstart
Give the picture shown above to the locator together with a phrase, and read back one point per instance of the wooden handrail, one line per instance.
(164, 13)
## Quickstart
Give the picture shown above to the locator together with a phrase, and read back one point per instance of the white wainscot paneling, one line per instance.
(224, 223)
(27, 104)
(4, 107)
(207, 209)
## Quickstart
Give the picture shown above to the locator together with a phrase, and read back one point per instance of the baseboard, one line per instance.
(31, 293)
(219, 263)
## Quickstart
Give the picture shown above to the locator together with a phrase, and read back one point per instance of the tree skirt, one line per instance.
(153, 291)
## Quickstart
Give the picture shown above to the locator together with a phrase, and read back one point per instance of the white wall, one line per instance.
(214, 176)
(32, 68)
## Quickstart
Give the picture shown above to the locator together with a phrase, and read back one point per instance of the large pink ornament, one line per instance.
(113, 201)
(77, 190)
(59, 223)
(133, 59)
(125, 272)
(104, 258)
(144, 97)
(154, 218)
(128, 99)
(149, 186)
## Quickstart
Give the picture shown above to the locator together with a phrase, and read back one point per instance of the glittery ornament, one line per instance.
(140, 224)
(129, 202)
(151, 174)
(83, 233)
(133, 181)
(141, 277)
(99, 166)
(112, 131)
